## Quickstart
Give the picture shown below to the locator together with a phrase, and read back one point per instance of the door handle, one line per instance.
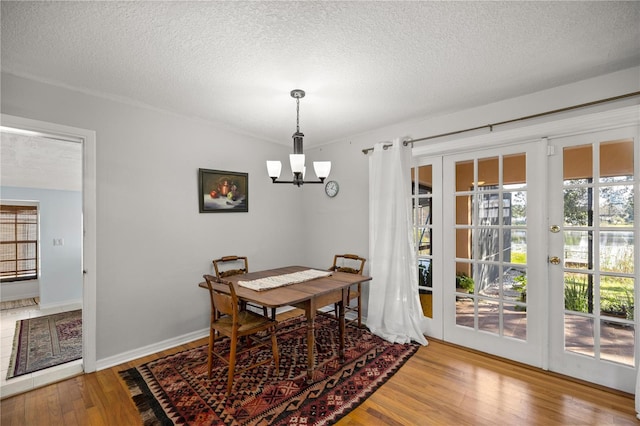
(554, 260)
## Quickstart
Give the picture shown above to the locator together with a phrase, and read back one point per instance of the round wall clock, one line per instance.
(332, 188)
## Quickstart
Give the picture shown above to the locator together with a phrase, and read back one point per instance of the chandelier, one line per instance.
(296, 160)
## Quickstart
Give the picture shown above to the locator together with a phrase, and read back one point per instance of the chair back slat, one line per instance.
(226, 304)
(227, 266)
(350, 263)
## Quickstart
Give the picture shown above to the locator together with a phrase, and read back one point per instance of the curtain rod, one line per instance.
(528, 117)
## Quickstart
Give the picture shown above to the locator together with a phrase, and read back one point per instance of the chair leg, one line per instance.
(232, 363)
(276, 354)
(212, 340)
(359, 310)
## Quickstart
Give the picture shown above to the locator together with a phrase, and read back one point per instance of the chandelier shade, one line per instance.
(274, 168)
(297, 159)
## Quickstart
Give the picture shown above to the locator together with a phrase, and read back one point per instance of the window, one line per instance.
(18, 242)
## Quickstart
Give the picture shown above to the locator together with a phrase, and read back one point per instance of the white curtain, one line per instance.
(394, 312)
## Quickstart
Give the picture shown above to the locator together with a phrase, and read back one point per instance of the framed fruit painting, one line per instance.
(221, 191)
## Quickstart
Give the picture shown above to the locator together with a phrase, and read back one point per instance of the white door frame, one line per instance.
(88, 140)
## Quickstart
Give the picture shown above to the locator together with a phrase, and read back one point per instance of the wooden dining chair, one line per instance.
(227, 319)
(227, 266)
(352, 264)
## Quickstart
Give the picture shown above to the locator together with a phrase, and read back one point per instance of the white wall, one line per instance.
(60, 281)
(152, 243)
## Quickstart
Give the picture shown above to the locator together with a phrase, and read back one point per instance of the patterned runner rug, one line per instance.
(21, 303)
(46, 341)
(175, 389)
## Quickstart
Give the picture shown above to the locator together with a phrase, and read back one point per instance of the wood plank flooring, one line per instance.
(440, 385)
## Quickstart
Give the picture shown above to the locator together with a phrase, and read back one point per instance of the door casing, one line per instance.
(89, 262)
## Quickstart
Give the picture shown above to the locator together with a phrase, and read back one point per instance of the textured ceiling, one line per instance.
(35, 162)
(363, 65)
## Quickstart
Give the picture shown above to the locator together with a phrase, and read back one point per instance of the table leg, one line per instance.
(341, 317)
(310, 313)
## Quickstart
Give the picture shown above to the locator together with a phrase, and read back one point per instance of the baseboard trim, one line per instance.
(65, 304)
(123, 357)
(154, 348)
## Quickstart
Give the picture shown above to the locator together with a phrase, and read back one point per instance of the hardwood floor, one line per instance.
(440, 385)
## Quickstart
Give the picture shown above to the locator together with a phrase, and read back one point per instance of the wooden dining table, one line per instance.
(308, 296)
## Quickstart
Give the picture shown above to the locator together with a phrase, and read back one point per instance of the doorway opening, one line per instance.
(53, 167)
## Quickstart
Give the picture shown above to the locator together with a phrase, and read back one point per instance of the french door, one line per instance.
(538, 246)
(493, 248)
(593, 249)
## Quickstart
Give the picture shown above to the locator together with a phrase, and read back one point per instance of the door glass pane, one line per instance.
(612, 334)
(488, 169)
(463, 243)
(577, 205)
(489, 316)
(425, 175)
(489, 244)
(617, 297)
(577, 249)
(515, 171)
(464, 176)
(516, 249)
(489, 280)
(489, 208)
(578, 292)
(616, 205)
(515, 321)
(464, 278)
(423, 225)
(577, 164)
(465, 314)
(425, 287)
(516, 202)
(616, 251)
(579, 334)
(424, 241)
(463, 209)
(515, 284)
(616, 161)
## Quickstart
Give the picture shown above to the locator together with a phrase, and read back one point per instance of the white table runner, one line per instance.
(282, 280)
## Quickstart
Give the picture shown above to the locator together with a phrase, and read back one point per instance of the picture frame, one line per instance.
(221, 191)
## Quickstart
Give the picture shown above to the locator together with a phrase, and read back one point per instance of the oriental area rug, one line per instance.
(46, 341)
(176, 390)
